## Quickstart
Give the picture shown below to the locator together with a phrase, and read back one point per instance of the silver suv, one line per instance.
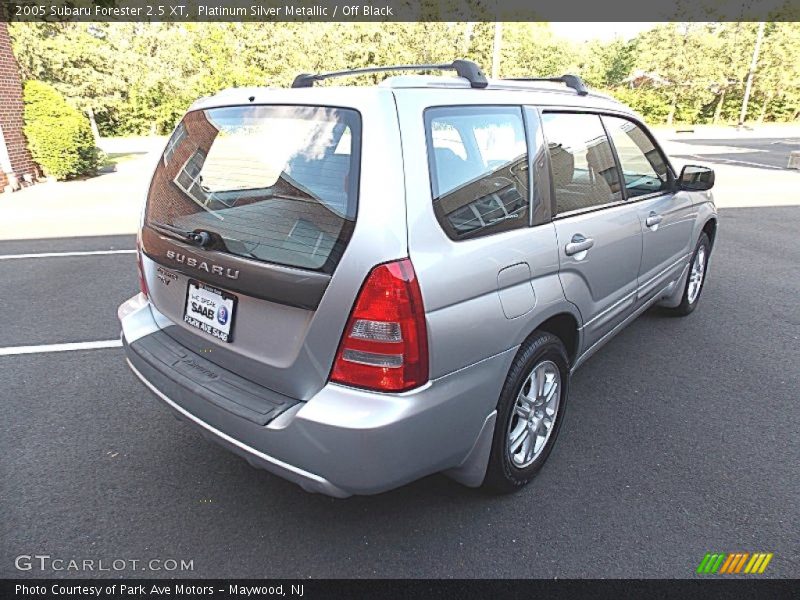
(355, 287)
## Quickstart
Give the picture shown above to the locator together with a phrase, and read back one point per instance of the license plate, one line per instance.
(210, 310)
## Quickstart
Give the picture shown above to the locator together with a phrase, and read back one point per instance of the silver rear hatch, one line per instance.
(263, 220)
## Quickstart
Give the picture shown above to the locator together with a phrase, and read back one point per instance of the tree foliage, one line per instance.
(140, 77)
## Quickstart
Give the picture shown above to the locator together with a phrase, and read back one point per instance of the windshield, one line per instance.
(272, 183)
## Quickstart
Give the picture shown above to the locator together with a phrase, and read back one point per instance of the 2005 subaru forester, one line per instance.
(354, 287)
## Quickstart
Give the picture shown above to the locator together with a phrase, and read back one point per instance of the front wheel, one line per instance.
(529, 413)
(696, 278)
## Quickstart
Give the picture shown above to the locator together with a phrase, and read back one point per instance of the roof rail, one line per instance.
(572, 81)
(463, 68)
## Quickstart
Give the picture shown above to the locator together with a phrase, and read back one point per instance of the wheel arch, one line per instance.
(710, 229)
(566, 327)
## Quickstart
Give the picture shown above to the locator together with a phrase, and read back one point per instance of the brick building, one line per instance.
(177, 189)
(16, 164)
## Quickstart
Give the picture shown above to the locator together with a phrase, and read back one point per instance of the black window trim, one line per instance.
(623, 191)
(426, 122)
(543, 110)
(529, 110)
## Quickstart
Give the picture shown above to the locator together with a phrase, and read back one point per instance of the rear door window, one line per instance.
(478, 161)
(584, 172)
(271, 183)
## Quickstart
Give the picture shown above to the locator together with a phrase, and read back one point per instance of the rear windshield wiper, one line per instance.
(198, 238)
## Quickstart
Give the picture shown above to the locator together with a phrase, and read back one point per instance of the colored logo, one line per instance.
(222, 315)
(734, 563)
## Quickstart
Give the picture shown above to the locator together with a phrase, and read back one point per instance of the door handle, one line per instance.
(578, 244)
(653, 219)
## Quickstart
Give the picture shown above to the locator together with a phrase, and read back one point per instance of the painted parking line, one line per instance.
(16, 350)
(59, 254)
(731, 161)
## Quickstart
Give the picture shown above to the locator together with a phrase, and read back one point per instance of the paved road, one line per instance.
(762, 153)
(681, 438)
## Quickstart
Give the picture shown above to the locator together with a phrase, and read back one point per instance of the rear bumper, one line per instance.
(309, 481)
(342, 441)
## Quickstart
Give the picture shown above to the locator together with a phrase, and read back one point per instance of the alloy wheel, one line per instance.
(535, 413)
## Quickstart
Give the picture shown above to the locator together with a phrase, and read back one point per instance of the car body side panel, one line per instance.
(666, 245)
(469, 322)
(703, 203)
(603, 282)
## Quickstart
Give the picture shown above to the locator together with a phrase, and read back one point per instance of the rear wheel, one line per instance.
(529, 413)
(696, 278)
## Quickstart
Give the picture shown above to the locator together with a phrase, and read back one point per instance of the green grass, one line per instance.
(113, 159)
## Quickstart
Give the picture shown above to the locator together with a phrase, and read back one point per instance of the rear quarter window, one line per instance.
(478, 161)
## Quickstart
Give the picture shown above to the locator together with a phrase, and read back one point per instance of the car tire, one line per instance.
(523, 414)
(698, 267)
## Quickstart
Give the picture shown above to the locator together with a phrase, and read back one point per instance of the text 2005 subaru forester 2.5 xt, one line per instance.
(355, 287)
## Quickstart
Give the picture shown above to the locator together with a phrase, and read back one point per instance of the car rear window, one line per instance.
(272, 183)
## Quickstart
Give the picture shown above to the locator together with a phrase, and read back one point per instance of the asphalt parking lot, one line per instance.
(763, 153)
(680, 439)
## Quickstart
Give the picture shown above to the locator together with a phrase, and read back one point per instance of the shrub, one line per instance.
(59, 136)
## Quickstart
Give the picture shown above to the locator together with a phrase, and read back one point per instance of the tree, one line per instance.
(140, 77)
(777, 79)
(607, 65)
(685, 55)
(77, 60)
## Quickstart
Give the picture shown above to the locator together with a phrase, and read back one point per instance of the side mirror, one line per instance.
(694, 178)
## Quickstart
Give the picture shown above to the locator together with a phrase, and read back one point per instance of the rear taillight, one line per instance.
(140, 270)
(384, 346)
